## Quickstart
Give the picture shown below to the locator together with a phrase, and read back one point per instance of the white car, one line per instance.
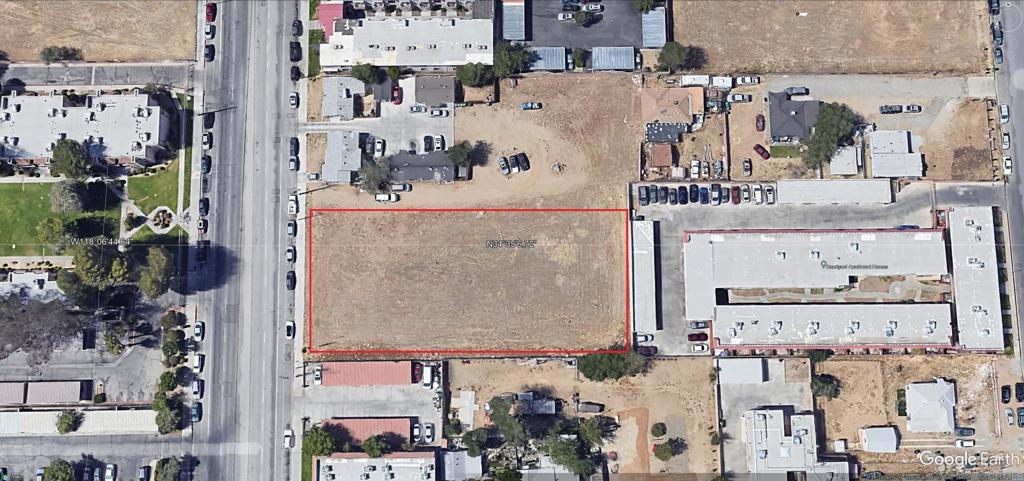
(1009, 416)
(748, 80)
(428, 432)
(290, 253)
(438, 142)
(209, 30)
(197, 388)
(563, 17)
(386, 197)
(769, 194)
(642, 338)
(694, 169)
(701, 347)
(593, 7)
(293, 205)
(416, 433)
(439, 113)
(740, 98)
(288, 436)
(289, 329)
(199, 331)
(318, 375)
(964, 443)
(745, 193)
(400, 187)
(1006, 140)
(293, 100)
(1007, 166)
(758, 194)
(207, 140)
(1004, 113)
(111, 474)
(198, 363)
(378, 148)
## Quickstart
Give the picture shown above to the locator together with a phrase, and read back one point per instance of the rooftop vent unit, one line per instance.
(467, 45)
(482, 47)
(889, 332)
(855, 247)
(136, 146)
(969, 222)
(815, 254)
(431, 46)
(410, 47)
(780, 255)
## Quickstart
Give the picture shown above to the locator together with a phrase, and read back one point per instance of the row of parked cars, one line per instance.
(513, 164)
(715, 194)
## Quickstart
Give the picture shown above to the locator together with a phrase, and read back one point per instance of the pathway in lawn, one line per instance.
(154, 190)
(26, 205)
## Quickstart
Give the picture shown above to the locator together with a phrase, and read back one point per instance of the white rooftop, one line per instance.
(930, 407)
(108, 125)
(774, 450)
(976, 278)
(808, 259)
(835, 191)
(355, 466)
(879, 439)
(845, 161)
(411, 42)
(892, 154)
(742, 370)
(644, 290)
(832, 325)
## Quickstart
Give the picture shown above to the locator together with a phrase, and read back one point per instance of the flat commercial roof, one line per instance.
(513, 20)
(845, 161)
(613, 58)
(892, 154)
(930, 407)
(356, 430)
(801, 258)
(409, 41)
(398, 466)
(435, 90)
(773, 450)
(12, 393)
(976, 278)
(652, 22)
(742, 370)
(367, 373)
(836, 191)
(459, 466)
(644, 289)
(54, 392)
(548, 58)
(832, 325)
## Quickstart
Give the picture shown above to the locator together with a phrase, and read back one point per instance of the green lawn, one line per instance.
(314, 5)
(307, 463)
(785, 151)
(153, 190)
(146, 237)
(316, 37)
(188, 177)
(26, 205)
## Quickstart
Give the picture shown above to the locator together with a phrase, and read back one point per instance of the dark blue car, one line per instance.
(704, 196)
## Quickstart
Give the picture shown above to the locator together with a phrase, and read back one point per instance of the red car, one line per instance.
(417, 372)
(762, 151)
(698, 336)
(211, 12)
(735, 197)
(396, 95)
(759, 123)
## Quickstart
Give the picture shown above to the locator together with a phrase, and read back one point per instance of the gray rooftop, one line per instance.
(665, 133)
(53, 392)
(834, 191)
(435, 91)
(976, 278)
(836, 325)
(930, 407)
(654, 28)
(791, 118)
(846, 161)
(431, 167)
(742, 370)
(409, 41)
(613, 58)
(108, 126)
(342, 158)
(513, 19)
(892, 154)
(879, 439)
(808, 259)
(338, 101)
(644, 290)
(548, 58)
(774, 449)
(459, 466)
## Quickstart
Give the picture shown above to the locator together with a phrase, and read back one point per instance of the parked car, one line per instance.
(203, 226)
(759, 122)
(890, 109)
(296, 73)
(532, 105)
(647, 350)
(745, 192)
(1009, 416)
(295, 51)
(293, 228)
(725, 194)
(439, 143)
(644, 338)
(1018, 392)
(439, 113)
(293, 146)
(1004, 394)
(289, 329)
(204, 206)
(1020, 416)
(997, 33)
(296, 27)
(735, 195)
(1006, 140)
(206, 164)
(428, 143)
(97, 474)
(569, 7)
(209, 52)
(293, 100)
(392, 197)
(1004, 113)
(769, 194)
(378, 148)
(289, 279)
(964, 432)
(513, 163)
(318, 375)
(1007, 166)
(748, 167)
(417, 433)
(289, 435)
(683, 195)
(396, 95)
(417, 109)
(663, 195)
(998, 54)
(198, 361)
(643, 195)
(697, 336)
(694, 194)
(792, 91)
(39, 474)
(400, 187)
(593, 7)
(293, 163)
(701, 347)
(969, 443)
(523, 161)
(503, 164)
(143, 473)
(197, 388)
(566, 17)
(207, 140)
(211, 12)
(197, 415)
(293, 205)
(716, 194)
(872, 475)
(763, 152)
(740, 98)
(993, 7)
(704, 196)
(758, 194)
(428, 433)
(748, 80)
(698, 325)
(673, 198)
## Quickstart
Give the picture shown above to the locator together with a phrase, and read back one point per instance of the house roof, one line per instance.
(613, 58)
(930, 407)
(433, 166)
(879, 439)
(513, 19)
(328, 12)
(661, 155)
(368, 373)
(791, 118)
(652, 23)
(459, 465)
(342, 157)
(338, 100)
(845, 161)
(671, 104)
(356, 430)
(435, 91)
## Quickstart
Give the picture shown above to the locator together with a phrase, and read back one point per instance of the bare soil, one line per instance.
(743, 135)
(675, 391)
(316, 148)
(851, 36)
(711, 136)
(958, 146)
(104, 30)
(439, 283)
(316, 92)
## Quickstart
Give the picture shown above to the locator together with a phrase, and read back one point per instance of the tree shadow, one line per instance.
(481, 153)
(696, 58)
(395, 441)
(220, 265)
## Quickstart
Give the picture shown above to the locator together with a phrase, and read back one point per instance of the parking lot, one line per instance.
(617, 26)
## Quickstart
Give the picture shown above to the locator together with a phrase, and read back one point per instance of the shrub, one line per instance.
(658, 430)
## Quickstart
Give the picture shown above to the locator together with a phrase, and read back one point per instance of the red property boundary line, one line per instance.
(528, 352)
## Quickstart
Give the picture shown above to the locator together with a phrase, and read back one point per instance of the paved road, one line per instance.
(249, 376)
(177, 75)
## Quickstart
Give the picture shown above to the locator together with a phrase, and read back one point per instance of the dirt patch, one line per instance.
(711, 138)
(856, 36)
(675, 391)
(594, 143)
(314, 106)
(316, 148)
(958, 146)
(104, 30)
(743, 135)
(874, 284)
(468, 280)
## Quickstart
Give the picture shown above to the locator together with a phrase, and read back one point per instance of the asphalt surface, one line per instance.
(171, 75)
(241, 291)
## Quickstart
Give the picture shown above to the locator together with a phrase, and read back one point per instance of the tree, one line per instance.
(394, 72)
(67, 196)
(819, 355)
(590, 432)
(582, 18)
(825, 385)
(54, 53)
(372, 176)
(93, 265)
(168, 420)
(76, 291)
(674, 56)
(317, 442)
(68, 421)
(172, 320)
(569, 452)
(501, 473)
(658, 430)
(167, 381)
(113, 344)
(475, 441)
(69, 159)
(59, 470)
(643, 6)
(375, 446)
(159, 401)
(120, 271)
(151, 88)
(155, 279)
(510, 427)
(99, 398)
(474, 74)
(53, 232)
(598, 367)
(170, 348)
(714, 438)
(510, 59)
(834, 126)
(366, 73)
(459, 153)
(168, 469)
(579, 57)
(665, 451)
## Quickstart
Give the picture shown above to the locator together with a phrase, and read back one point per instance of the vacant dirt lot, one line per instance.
(675, 391)
(445, 281)
(105, 30)
(957, 145)
(850, 36)
(596, 142)
(867, 397)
